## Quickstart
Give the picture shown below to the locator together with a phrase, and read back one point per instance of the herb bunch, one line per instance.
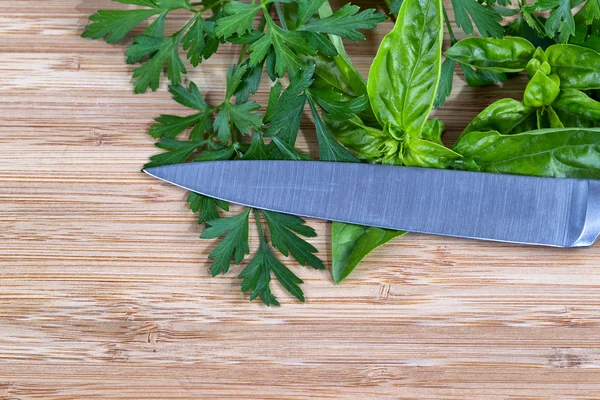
(291, 39)
(385, 119)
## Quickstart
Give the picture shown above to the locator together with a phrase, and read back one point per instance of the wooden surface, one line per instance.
(104, 290)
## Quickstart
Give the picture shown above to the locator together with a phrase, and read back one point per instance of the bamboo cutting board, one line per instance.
(104, 290)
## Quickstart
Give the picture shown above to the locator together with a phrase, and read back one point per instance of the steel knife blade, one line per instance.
(509, 208)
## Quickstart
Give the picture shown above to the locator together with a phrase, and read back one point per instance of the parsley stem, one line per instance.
(261, 233)
(209, 7)
(452, 37)
(242, 54)
(281, 16)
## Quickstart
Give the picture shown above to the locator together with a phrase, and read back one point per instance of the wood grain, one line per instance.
(104, 290)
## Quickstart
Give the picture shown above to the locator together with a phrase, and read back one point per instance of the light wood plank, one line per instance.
(104, 290)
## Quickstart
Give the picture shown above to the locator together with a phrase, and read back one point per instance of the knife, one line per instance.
(508, 208)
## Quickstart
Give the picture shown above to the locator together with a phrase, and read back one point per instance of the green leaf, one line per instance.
(541, 90)
(284, 112)
(510, 54)
(445, 85)
(165, 51)
(577, 67)
(338, 104)
(486, 19)
(250, 83)
(115, 24)
(558, 153)
(352, 243)
(350, 76)
(243, 116)
(258, 150)
(194, 40)
(365, 141)
(191, 98)
(395, 6)
(405, 74)
(481, 78)
(575, 109)
(346, 22)
(256, 277)
(433, 130)
(239, 20)
(329, 148)
(234, 245)
(177, 152)
(306, 9)
(284, 236)
(591, 11)
(206, 207)
(425, 154)
(287, 151)
(507, 116)
(560, 20)
(169, 126)
(286, 47)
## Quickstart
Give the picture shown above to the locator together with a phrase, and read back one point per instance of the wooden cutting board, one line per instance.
(104, 290)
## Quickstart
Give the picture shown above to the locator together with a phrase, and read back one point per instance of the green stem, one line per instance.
(450, 32)
(242, 54)
(281, 16)
(218, 3)
(261, 233)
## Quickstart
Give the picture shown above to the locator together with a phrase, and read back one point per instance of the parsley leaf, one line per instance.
(560, 20)
(243, 117)
(286, 45)
(114, 25)
(329, 148)
(284, 112)
(486, 19)
(306, 9)
(283, 230)
(256, 277)
(591, 11)
(206, 207)
(234, 245)
(345, 22)
(445, 86)
(170, 126)
(194, 41)
(239, 19)
(165, 51)
(177, 152)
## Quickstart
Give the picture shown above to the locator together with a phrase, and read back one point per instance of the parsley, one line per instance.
(560, 22)
(485, 18)
(236, 128)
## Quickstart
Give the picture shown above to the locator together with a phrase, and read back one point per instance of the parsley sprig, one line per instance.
(237, 128)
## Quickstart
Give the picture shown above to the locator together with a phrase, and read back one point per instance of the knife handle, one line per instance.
(591, 228)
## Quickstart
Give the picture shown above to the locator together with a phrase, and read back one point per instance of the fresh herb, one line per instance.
(236, 128)
(384, 119)
(504, 138)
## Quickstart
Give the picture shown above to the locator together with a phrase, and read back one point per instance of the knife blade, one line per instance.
(507, 208)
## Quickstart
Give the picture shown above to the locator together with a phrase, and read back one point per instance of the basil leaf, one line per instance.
(433, 130)
(558, 153)
(578, 67)
(507, 116)
(352, 243)
(510, 54)
(575, 109)
(426, 154)
(541, 90)
(404, 76)
(355, 135)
